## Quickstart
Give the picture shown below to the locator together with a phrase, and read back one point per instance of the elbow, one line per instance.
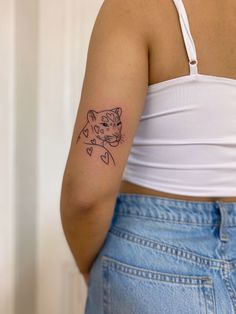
(74, 200)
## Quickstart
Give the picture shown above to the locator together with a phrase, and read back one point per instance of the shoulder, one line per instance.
(127, 16)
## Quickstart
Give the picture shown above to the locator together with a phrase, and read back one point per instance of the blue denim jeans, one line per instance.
(166, 256)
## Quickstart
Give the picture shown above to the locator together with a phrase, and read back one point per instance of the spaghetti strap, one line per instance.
(188, 40)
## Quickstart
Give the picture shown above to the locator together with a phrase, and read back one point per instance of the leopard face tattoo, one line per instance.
(101, 132)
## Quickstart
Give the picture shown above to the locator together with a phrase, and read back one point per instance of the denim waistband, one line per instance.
(177, 210)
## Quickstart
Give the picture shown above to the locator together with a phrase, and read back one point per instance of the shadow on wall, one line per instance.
(44, 55)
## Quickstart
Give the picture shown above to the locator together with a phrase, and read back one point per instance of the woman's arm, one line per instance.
(112, 100)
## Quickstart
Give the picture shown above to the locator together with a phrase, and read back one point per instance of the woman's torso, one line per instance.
(213, 28)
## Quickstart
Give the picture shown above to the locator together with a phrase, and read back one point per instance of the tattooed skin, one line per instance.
(101, 132)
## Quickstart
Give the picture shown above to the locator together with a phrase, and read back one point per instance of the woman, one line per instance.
(148, 200)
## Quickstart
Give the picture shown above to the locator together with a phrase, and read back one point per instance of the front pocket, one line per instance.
(129, 289)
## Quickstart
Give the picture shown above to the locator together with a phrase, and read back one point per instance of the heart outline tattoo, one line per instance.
(102, 132)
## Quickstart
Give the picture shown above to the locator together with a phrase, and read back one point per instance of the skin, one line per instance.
(116, 76)
(128, 51)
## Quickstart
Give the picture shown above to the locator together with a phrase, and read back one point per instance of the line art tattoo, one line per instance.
(101, 132)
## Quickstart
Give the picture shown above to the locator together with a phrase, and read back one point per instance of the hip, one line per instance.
(178, 252)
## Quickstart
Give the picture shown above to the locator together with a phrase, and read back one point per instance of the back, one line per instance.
(186, 140)
(213, 29)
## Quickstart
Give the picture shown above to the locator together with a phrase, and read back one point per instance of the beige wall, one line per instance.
(44, 46)
(26, 149)
(7, 232)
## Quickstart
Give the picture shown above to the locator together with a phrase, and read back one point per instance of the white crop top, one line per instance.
(186, 139)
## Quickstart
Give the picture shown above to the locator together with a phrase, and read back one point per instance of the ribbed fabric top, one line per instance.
(186, 140)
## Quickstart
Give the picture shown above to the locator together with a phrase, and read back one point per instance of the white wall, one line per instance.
(44, 45)
(26, 153)
(7, 233)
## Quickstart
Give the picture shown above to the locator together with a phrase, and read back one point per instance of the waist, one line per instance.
(188, 170)
(132, 188)
(183, 210)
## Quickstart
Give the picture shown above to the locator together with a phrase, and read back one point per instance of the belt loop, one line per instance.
(223, 220)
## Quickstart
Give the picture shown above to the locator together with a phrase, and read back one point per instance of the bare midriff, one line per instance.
(130, 188)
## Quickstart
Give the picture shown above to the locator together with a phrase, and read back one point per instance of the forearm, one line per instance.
(86, 230)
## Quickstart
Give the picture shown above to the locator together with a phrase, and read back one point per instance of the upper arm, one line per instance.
(112, 100)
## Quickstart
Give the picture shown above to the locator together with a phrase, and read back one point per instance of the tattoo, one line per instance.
(101, 132)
